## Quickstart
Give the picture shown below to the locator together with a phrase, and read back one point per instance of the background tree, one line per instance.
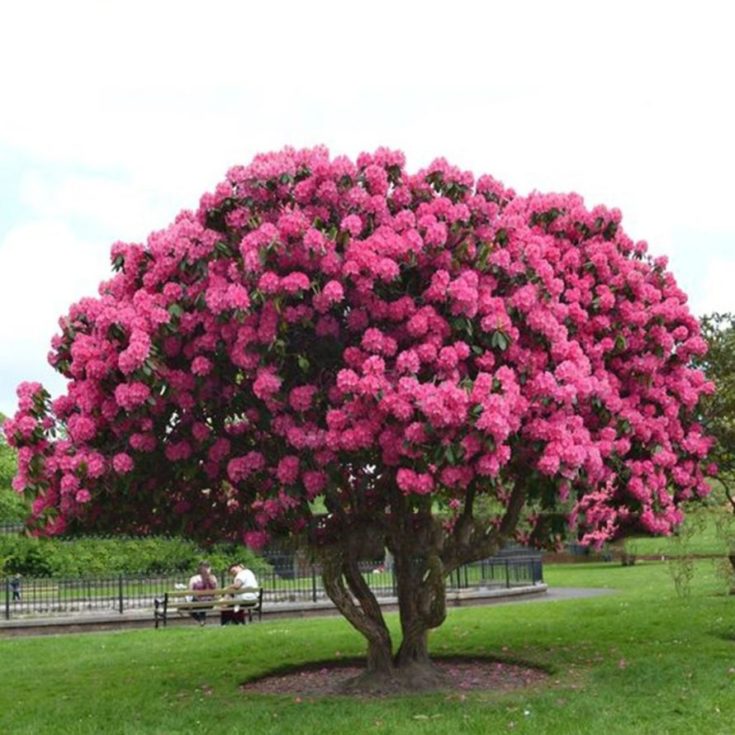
(13, 507)
(441, 364)
(718, 409)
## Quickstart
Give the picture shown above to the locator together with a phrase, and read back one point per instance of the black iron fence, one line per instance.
(284, 580)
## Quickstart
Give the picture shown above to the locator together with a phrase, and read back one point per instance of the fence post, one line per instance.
(313, 582)
(7, 598)
(507, 574)
(120, 592)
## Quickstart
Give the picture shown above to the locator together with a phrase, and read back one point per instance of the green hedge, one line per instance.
(89, 556)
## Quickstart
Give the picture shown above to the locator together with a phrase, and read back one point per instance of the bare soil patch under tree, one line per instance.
(457, 675)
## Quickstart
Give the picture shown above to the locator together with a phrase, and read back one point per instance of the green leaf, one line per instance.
(304, 363)
(342, 238)
(499, 341)
(483, 253)
(222, 248)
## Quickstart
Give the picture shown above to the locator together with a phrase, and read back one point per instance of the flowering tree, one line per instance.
(433, 362)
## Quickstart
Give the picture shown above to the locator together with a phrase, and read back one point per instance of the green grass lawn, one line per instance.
(698, 535)
(639, 660)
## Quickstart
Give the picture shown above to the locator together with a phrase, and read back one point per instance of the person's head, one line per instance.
(204, 568)
(235, 568)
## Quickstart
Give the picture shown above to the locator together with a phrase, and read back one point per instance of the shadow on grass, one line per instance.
(345, 676)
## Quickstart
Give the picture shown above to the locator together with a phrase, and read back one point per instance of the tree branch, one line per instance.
(472, 540)
(362, 592)
(728, 493)
(338, 594)
(432, 593)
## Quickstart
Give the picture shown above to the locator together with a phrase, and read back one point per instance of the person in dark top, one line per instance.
(15, 587)
(203, 580)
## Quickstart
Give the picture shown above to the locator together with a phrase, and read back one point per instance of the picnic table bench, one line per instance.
(185, 602)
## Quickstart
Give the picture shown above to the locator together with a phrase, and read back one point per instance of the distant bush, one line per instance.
(90, 556)
(13, 507)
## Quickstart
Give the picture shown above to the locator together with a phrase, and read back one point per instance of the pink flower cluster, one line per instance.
(419, 483)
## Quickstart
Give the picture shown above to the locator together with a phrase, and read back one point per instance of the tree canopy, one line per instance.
(438, 362)
(718, 409)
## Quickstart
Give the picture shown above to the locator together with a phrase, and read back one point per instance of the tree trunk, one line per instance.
(423, 555)
(354, 599)
(422, 605)
(421, 587)
(422, 608)
(414, 648)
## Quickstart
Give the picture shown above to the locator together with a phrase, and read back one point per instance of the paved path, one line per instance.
(91, 622)
(557, 594)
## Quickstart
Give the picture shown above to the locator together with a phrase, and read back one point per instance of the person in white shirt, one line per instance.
(242, 588)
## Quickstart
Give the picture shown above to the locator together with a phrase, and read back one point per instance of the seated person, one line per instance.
(204, 580)
(242, 579)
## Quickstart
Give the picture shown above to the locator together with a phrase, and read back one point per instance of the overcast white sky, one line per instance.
(116, 115)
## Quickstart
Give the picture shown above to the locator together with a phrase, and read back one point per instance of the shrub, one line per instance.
(90, 556)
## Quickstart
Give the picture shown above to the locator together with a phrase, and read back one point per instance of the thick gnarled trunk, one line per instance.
(353, 598)
(424, 553)
(421, 598)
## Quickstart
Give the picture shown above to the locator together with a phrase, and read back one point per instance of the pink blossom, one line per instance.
(266, 384)
(352, 224)
(240, 468)
(201, 366)
(255, 540)
(136, 353)
(314, 481)
(122, 463)
(301, 397)
(176, 451)
(347, 381)
(81, 428)
(288, 470)
(269, 283)
(332, 293)
(143, 442)
(130, 395)
(417, 483)
(237, 296)
(295, 282)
